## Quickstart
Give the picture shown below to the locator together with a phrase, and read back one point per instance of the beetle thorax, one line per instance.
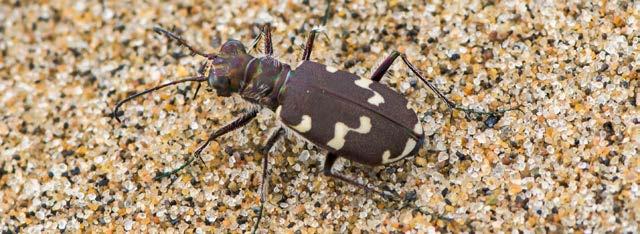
(264, 77)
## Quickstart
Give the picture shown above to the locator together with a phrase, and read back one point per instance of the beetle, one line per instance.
(349, 116)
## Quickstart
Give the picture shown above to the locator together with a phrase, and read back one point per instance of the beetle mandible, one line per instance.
(352, 117)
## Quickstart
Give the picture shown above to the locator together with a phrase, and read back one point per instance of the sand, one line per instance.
(568, 161)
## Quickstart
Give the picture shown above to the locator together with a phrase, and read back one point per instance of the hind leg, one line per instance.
(384, 193)
(386, 63)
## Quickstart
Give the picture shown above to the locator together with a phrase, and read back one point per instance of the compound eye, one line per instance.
(221, 84)
(232, 47)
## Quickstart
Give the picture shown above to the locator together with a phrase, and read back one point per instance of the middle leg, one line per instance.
(237, 123)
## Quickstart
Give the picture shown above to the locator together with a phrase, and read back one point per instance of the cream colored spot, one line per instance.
(386, 159)
(411, 144)
(408, 147)
(364, 83)
(298, 65)
(341, 130)
(304, 125)
(331, 69)
(377, 99)
(418, 128)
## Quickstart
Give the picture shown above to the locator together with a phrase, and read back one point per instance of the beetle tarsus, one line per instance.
(489, 113)
(174, 171)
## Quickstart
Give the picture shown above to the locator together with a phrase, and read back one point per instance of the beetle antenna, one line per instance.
(115, 113)
(181, 42)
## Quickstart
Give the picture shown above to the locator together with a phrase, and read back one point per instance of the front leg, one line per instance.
(265, 166)
(237, 123)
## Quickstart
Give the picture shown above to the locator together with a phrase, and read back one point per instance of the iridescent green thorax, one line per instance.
(258, 80)
(264, 77)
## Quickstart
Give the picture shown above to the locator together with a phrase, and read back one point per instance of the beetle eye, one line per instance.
(221, 84)
(232, 47)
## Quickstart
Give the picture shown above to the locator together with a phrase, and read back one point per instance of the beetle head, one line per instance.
(227, 70)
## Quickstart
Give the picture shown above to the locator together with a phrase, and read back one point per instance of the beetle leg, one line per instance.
(382, 69)
(451, 104)
(181, 42)
(201, 72)
(268, 47)
(431, 86)
(386, 63)
(237, 123)
(306, 55)
(254, 43)
(328, 164)
(386, 194)
(275, 136)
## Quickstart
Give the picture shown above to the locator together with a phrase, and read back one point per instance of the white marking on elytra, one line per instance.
(377, 99)
(411, 143)
(298, 65)
(331, 69)
(418, 128)
(341, 130)
(385, 157)
(408, 147)
(304, 125)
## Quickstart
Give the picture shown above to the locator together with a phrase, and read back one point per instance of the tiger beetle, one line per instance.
(355, 118)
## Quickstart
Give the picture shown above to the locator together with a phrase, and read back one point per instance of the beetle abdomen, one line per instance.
(356, 118)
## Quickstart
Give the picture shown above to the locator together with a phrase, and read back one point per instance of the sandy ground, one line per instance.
(568, 162)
